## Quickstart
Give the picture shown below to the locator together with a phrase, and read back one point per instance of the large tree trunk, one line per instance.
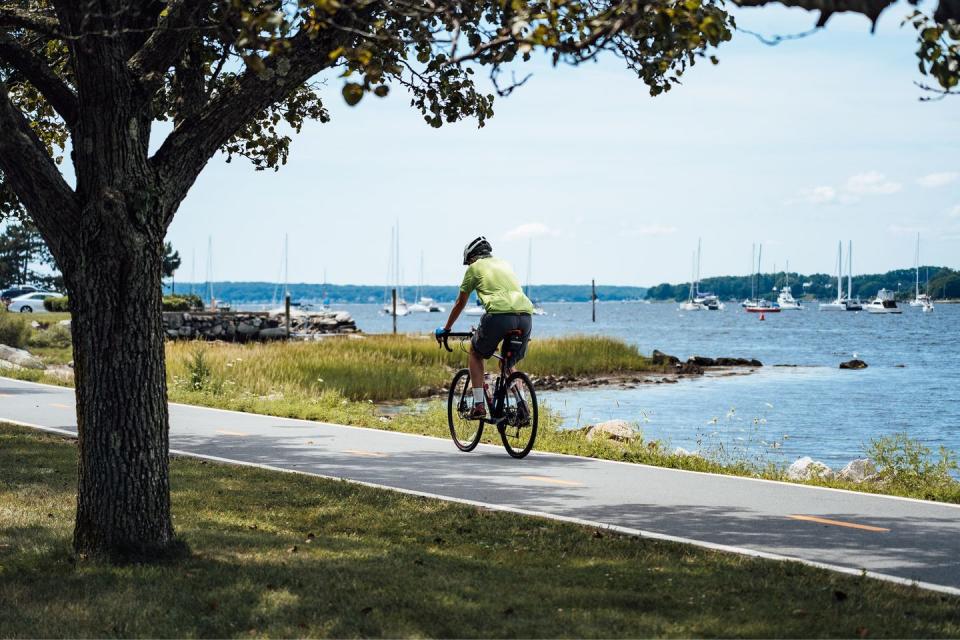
(123, 497)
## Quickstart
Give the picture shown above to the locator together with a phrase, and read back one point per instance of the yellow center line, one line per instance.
(839, 523)
(365, 454)
(232, 433)
(60, 406)
(548, 480)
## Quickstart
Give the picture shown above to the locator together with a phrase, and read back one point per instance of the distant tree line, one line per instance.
(269, 292)
(944, 283)
(22, 253)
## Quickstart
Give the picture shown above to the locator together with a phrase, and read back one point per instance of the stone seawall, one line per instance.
(242, 326)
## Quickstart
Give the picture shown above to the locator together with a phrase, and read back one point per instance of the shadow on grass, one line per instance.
(287, 555)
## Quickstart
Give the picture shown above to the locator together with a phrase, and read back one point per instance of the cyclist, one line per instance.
(506, 309)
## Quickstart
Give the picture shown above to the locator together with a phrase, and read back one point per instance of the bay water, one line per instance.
(779, 413)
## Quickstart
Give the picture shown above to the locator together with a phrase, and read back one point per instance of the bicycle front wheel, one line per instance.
(519, 428)
(464, 431)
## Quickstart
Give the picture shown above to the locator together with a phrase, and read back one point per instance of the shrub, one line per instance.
(56, 336)
(185, 302)
(910, 465)
(14, 330)
(61, 304)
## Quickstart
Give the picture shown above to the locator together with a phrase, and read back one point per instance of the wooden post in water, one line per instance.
(394, 312)
(593, 298)
(286, 307)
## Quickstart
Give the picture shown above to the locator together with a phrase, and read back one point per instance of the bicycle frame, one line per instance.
(498, 396)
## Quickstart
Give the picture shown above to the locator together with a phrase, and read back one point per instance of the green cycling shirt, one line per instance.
(496, 286)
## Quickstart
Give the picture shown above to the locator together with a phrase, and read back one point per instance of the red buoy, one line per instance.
(761, 316)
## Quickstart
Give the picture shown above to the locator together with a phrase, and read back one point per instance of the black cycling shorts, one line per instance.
(494, 326)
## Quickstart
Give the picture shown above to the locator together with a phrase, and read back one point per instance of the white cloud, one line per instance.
(652, 230)
(871, 183)
(938, 179)
(955, 212)
(530, 230)
(819, 195)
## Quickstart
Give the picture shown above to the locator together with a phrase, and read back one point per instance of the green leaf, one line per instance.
(352, 93)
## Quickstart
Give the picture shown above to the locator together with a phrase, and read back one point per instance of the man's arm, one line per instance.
(457, 309)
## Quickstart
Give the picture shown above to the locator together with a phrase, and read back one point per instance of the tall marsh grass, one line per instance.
(377, 368)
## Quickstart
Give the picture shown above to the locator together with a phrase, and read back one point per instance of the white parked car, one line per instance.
(32, 302)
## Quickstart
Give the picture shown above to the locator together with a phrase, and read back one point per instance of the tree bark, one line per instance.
(123, 497)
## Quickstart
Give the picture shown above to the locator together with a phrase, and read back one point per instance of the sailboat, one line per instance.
(393, 278)
(691, 304)
(537, 308)
(920, 299)
(700, 300)
(838, 304)
(785, 300)
(758, 304)
(423, 303)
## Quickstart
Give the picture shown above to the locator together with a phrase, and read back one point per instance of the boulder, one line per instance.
(689, 368)
(853, 364)
(275, 333)
(9, 366)
(700, 361)
(680, 452)
(61, 373)
(245, 329)
(21, 358)
(806, 468)
(858, 470)
(659, 357)
(618, 430)
(65, 323)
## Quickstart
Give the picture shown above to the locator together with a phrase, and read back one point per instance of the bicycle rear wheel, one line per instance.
(519, 428)
(464, 431)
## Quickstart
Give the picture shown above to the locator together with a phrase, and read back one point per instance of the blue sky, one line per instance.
(795, 146)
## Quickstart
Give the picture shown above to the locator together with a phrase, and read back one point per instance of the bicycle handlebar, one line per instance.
(442, 339)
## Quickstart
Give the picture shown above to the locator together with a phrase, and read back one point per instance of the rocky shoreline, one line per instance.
(242, 326)
(672, 371)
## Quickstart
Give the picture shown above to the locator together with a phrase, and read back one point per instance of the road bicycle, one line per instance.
(511, 406)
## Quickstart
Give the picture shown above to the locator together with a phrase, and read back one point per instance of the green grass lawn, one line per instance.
(284, 555)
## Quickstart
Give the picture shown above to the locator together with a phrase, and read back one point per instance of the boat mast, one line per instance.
(693, 275)
(759, 260)
(839, 271)
(697, 288)
(850, 271)
(753, 261)
(916, 262)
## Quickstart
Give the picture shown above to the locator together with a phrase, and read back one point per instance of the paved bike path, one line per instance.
(898, 538)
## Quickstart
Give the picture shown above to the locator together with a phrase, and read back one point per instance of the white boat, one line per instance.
(756, 304)
(785, 299)
(851, 303)
(883, 303)
(928, 307)
(839, 304)
(920, 299)
(700, 300)
(475, 310)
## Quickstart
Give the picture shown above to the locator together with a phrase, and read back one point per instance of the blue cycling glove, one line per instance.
(440, 332)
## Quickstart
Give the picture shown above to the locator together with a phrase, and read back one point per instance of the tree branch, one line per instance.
(174, 31)
(34, 178)
(870, 8)
(31, 20)
(196, 139)
(38, 73)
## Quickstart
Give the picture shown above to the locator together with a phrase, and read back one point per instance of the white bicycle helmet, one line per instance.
(478, 247)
